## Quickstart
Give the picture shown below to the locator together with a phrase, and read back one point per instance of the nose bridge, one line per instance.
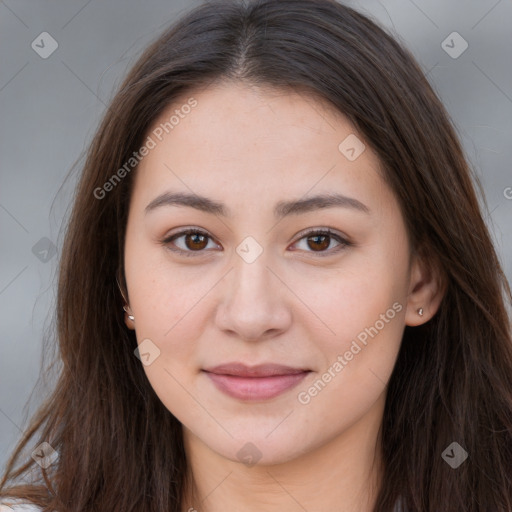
(251, 277)
(253, 303)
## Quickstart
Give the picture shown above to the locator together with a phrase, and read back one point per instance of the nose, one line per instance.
(255, 302)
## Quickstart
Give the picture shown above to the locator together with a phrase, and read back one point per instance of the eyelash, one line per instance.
(314, 232)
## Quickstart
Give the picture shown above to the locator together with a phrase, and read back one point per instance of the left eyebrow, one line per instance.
(191, 200)
(282, 208)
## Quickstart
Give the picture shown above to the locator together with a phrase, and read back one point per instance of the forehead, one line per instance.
(245, 141)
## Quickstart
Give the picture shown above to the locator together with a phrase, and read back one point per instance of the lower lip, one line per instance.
(255, 388)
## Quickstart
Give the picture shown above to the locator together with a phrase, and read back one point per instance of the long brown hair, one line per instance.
(452, 381)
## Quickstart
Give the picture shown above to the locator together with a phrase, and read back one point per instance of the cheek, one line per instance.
(163, 295)
(346, 302)
(165, 305)
(367, 317)
(169, 316)
(362, 310)
(166, 309)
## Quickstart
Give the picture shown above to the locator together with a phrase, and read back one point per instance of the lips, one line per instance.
(261, 370)
(255, 383)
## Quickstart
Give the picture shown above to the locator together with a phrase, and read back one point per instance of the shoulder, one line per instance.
(17, 506)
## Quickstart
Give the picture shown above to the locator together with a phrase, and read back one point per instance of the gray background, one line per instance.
(50, 109)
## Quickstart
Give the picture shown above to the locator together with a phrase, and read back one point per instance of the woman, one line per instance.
(277, 291)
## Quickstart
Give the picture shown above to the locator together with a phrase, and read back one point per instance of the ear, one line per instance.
(129, 323)
(426, 288)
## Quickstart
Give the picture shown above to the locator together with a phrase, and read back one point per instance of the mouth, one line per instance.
(255, 383)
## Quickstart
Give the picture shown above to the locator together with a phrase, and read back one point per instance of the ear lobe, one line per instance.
(129, 320)
(426, 290)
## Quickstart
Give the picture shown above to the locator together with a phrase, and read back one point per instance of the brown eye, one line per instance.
(190, 241)
(196, 241)
(319, 242)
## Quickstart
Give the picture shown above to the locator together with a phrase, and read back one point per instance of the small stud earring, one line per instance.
(420, 311)
(131, 317)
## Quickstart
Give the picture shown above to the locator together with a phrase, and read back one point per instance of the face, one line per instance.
(320, 288)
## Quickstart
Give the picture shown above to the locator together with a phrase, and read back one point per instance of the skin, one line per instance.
(296, 304)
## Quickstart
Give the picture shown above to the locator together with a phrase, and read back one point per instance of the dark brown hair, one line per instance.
(453, 376)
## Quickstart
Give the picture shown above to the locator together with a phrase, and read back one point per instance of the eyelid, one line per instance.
(183, 232)
(340, 238)
(321, 230)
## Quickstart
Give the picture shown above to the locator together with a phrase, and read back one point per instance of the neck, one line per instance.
(343, 475)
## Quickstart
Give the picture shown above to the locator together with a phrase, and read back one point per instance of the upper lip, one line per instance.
(260, 370)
